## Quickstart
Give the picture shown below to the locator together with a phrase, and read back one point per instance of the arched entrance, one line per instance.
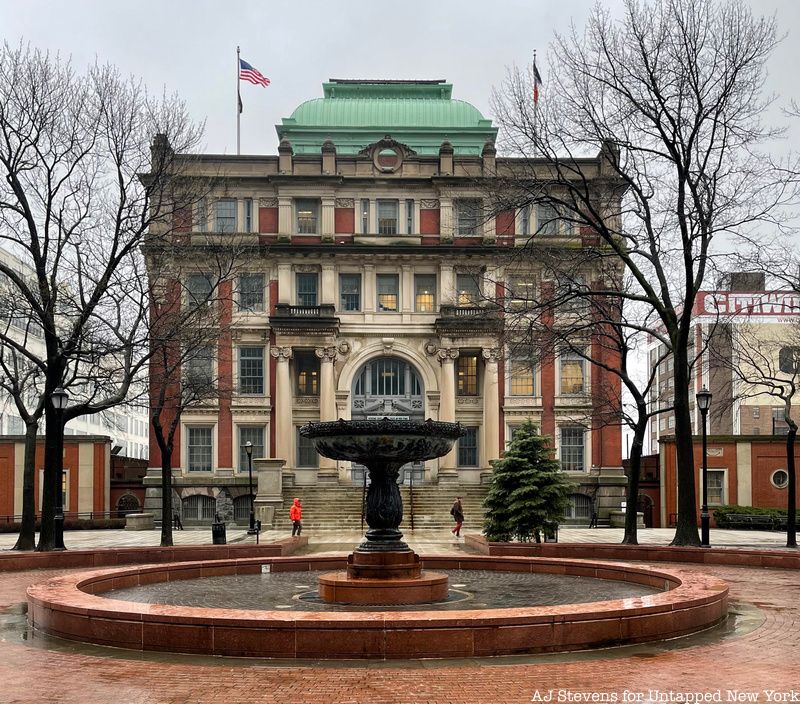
(389, 387)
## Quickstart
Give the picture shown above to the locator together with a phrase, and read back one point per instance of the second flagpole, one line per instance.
(238, 107)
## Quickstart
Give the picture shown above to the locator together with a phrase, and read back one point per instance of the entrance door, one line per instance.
(388, 387)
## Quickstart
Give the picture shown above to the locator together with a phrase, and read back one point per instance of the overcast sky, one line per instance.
(190, 47)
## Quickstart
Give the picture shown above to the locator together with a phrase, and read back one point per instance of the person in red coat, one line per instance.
(296, 517)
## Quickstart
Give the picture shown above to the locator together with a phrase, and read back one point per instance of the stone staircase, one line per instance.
(339, 507)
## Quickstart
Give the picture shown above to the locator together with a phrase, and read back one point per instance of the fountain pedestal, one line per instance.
(383, 569)
(383, 578)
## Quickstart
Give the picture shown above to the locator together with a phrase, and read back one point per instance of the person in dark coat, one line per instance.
(457, 512)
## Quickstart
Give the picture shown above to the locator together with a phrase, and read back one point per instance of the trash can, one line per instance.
(218, 534)
(550, 531)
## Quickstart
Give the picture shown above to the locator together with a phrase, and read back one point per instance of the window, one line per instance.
(388, 377)
(241, 509)
(251, 292)
(468, 216)
(756, 411)
(468, 448)
(199, 449)
(387, 217)
(225, 214)
(789, 360)
(307, 368)
(467, 375)
(779, 424)
(572, 448)
(248, 214)
(780, 479)
(716, 487)
(198, 508)
(522, 289)
(525, 220)
(425, 293)
(201, 215)
(200, 368)
(350, 292)
(546, 219)
(306, 289)
(198, 289)
(410, 216)
(306, 454)
(307, 210)
(251, 370)
(521, 373)
(468, 289)
(388, 286)
(580, 506)
(254, 435)
(16, 426)
(365, 216)
(572, 372)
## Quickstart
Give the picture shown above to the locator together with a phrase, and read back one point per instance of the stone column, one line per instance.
(368, 289)
(284, 432)
(284, 283)
(490, 447)
(407, 289)
(328, 215)
(447, 285)
(328, 473)
(447, 410)
(285, 219)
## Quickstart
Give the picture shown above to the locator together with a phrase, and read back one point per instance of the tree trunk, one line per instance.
(686, 531)
(166, 494)
(53, 457)
(791, 499)
(631, 500)
(27, 530)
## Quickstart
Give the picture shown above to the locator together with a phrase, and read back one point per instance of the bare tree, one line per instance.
(189, 323)
(671, 97)
(577, 314)
(74, 208)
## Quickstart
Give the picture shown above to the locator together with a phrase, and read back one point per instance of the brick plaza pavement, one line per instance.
(763, 658)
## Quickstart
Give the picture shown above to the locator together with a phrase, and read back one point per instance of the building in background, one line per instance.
(367, 294)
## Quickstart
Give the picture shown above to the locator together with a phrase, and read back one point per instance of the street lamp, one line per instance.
(248, 448)
(703, 402)
(59, 399)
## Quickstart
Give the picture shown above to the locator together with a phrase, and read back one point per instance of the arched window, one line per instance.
(128, 503)
(199, 508)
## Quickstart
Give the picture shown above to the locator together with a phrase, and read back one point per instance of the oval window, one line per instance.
(387, 159)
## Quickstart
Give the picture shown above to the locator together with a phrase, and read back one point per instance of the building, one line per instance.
(725, 323)
(375, 256)
(86, 479)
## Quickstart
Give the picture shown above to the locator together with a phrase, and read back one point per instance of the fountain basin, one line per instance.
(72, 606)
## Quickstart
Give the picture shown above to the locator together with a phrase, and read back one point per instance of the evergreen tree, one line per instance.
(528, 489)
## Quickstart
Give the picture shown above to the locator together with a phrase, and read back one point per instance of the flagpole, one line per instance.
(536, 95)
(238, 109)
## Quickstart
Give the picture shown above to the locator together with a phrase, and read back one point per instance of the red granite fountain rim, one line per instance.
(67, 593)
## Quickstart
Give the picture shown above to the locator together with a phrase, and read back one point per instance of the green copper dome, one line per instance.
(354, 114)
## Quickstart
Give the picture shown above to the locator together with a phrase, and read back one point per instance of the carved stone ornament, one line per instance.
(306, 268)
(429, 204)
(312, 401)
(448, 353)
(282, 354)
(431, 348)
(344, 347)
(464, 400)
(267, 202)
(326, 354)
(491, 354)
(345, 202)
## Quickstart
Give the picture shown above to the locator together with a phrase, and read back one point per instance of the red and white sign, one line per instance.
(758, 303)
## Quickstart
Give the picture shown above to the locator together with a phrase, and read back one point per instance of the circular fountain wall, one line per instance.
(75, 607)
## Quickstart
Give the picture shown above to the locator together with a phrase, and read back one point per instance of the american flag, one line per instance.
(252, 75)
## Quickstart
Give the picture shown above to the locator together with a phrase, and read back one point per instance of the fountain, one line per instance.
(383, 569)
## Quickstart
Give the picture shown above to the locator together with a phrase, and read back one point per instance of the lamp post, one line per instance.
(59, 399)
(703, 402)
(248, 448)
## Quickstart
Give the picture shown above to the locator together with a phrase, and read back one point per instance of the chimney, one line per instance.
(328, 157)
(446, 159)
(489, 153)
(285, 152)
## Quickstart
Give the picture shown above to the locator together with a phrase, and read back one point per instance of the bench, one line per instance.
(754, 522)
